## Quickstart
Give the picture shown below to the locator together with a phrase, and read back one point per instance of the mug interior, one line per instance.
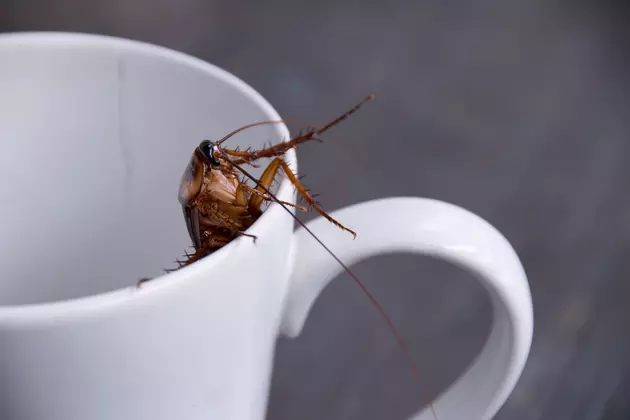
(96, 133)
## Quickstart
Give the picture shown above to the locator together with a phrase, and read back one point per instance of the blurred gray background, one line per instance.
(516, 110)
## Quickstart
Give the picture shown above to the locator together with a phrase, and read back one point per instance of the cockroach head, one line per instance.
(208, 150)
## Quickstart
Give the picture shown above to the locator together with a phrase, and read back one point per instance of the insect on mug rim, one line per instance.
(98, 301)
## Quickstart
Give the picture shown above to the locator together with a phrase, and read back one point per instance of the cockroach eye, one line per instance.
(207, 149)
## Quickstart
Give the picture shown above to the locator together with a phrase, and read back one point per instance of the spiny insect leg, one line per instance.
(268, 198)
(239, 233)
(270, 173)
(142, 281)
(281, 148)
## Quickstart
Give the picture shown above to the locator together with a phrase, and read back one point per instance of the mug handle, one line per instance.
(437, 229)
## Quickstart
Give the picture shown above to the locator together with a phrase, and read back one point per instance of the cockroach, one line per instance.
(219, 206)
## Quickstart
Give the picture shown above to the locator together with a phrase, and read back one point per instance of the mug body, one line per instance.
(96, 133)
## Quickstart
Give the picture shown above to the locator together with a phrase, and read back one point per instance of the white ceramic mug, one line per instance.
(96, 132)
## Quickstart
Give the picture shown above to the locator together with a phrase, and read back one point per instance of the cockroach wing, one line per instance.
(191, 181)
(191, 215)
(189, 188)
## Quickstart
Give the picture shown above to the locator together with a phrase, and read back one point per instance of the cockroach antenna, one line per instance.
(210, 158)
(393, 329)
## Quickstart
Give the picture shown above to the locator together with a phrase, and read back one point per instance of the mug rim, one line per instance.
(119, 296)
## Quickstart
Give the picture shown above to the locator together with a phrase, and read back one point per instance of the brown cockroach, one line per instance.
(219, 206)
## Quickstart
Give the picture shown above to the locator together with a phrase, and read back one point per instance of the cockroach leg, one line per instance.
(200, 253)
(142, 281)
(266, 179)
(269, 152)
(239, 233)
(268, 176)
(241, 199)
(281, 148)
(266, 197)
